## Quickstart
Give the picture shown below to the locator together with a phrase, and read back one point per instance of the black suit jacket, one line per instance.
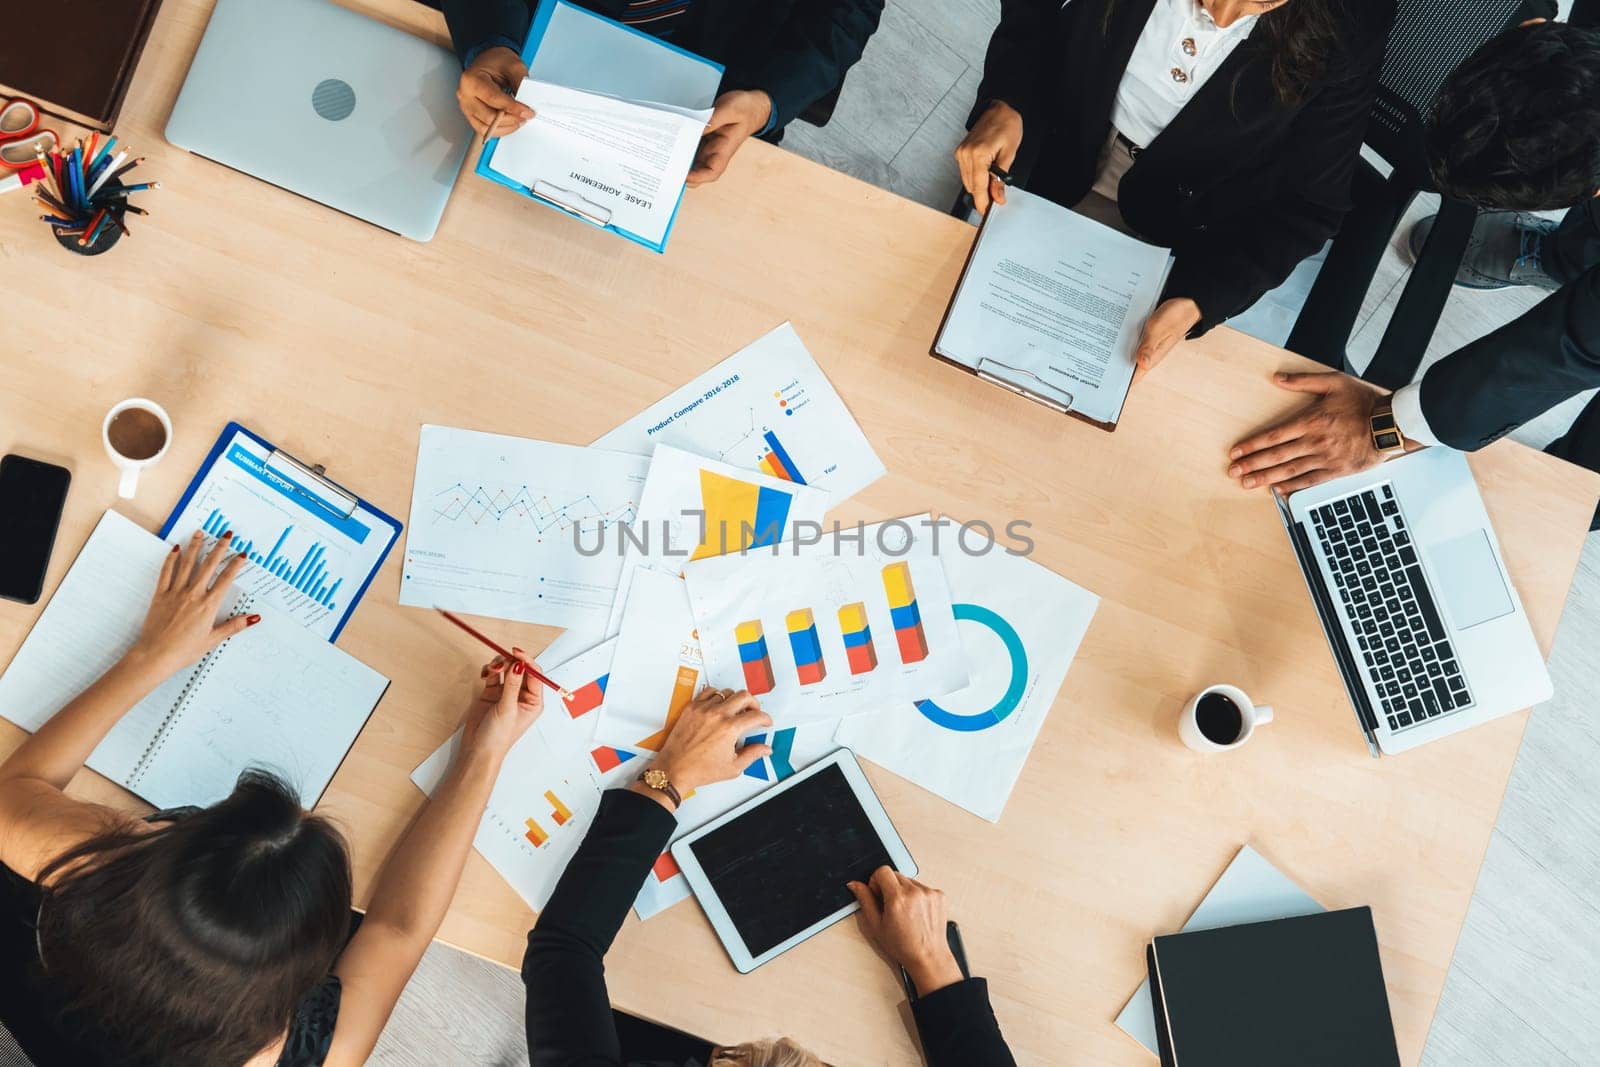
(1482, 392)
(1241, 186)
(569, 1017)
(797, 51)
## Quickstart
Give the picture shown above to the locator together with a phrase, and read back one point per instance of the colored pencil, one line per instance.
(94, 227)
(105, 150)
(136, 188)
(106, 173)
(125, 168)
(531, 669)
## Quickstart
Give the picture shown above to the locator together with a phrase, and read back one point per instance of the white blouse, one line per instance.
(1180, 48)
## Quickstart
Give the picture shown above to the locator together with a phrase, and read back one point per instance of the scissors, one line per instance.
(21, 139)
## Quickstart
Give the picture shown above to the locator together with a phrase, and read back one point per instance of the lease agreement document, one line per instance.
(617, 162)
(1052, 305)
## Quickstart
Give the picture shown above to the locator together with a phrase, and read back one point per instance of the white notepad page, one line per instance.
(277, 696)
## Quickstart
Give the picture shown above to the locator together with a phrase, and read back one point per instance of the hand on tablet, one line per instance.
(905, 920)
(704, 744)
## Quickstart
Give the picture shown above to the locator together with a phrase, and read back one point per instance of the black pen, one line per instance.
(997, 171)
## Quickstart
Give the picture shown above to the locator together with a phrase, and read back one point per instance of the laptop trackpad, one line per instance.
(1469, 576)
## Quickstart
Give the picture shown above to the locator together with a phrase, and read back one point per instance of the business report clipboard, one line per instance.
(290, 520)
(573, 47)
(1008, 371)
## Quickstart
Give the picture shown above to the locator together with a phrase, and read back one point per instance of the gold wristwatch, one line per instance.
(1386, 435)
(657, 779)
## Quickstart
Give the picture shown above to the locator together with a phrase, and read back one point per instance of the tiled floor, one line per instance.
(1524, 990)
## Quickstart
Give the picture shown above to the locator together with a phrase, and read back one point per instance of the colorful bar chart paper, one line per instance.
(807, 647)
(682, 693)
(739, 514)
(857, 638)
(777, 462)
(535, 835)
(586, 698)
(307, 576)
(560, 812)
(753, 656)
(903, 611)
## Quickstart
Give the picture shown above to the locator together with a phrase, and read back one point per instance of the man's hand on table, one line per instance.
(1168, 324)
(1329, 438)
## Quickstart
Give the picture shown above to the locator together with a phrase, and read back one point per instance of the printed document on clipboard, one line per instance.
(1051, 305)
(313, 545)
(618, 116)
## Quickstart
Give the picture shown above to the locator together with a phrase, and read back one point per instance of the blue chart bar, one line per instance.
(309, 575)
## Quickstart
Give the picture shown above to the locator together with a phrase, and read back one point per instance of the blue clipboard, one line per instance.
(303, 492)
(596, 54)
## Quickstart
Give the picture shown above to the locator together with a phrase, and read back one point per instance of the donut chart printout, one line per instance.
(1021, 625)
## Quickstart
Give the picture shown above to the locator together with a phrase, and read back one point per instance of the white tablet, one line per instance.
(771, 873)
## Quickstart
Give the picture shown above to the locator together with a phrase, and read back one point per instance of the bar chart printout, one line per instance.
(754, 657)
(903, 611)
(308, 575)
(857, 638)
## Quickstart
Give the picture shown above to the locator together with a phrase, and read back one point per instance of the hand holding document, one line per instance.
(616, 162)
(1051, 305)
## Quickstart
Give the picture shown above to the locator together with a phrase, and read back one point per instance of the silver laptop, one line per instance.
(1407, 578)
(329, 104)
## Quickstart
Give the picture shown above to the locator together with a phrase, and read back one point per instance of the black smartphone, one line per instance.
(958, 949)
(32, 495)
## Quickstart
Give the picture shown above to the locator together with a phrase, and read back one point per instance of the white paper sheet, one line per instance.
(499, 527)
(622, 161)
(812, 629)
(1021, 626)
(693, 507)
(560, 754)
(1251, 890)
(769, 408)
(548, 773)
(1054, 303)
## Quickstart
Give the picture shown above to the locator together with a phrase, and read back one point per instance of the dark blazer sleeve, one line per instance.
(475, 24)
(1229, 267)
(811, 53)
(958, 1028)
(1018, 48)
(1487, 389)
(568, 1011)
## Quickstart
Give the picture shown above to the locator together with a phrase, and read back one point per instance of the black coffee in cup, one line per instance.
(137, 433)
(1219, 718)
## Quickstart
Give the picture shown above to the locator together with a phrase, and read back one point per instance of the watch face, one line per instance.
(655, 779)
(1388, 441)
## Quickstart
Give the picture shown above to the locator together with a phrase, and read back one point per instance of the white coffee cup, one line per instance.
(136, 452)
(1251, 715)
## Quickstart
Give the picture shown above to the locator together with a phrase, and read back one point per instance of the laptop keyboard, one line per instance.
(1388, 604)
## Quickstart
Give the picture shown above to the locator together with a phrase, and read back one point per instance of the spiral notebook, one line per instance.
(277, 696)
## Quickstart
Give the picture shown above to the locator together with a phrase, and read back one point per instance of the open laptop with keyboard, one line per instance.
(1407, 578)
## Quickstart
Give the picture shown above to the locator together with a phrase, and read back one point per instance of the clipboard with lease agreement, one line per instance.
(1050, 305)
(618, 119)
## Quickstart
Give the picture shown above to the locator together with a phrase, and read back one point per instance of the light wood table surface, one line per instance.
(234, 300)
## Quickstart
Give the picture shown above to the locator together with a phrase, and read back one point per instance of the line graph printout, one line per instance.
(496, 524)
(767, 408)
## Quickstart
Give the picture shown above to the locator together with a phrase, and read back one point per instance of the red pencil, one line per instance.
(506, 655)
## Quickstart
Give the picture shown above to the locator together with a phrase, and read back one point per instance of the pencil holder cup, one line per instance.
(105, 242)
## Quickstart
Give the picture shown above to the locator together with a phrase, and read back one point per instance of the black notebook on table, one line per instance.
(1306, 991)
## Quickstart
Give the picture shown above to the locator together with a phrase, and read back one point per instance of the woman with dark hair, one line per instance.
(218, 936)
(1226, 130)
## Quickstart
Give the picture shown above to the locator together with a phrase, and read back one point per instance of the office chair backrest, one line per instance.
(1429, 40)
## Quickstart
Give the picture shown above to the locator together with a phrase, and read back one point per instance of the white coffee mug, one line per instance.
(132, 465)
(1251, 715)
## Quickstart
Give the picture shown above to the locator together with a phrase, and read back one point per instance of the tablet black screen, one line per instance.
(782, 866)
